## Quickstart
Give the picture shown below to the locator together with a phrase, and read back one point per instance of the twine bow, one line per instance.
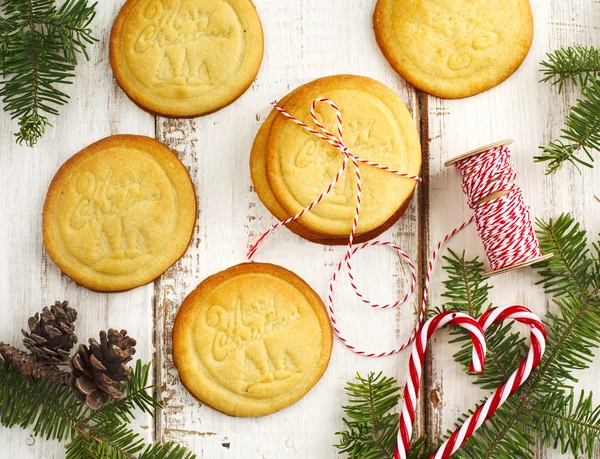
(338, 143)
(503, 223)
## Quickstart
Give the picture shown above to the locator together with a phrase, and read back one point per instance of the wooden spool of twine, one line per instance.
(489, 173)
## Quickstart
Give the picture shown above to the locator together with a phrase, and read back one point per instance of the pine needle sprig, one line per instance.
(138, 395)
(580, 134)
(506, 435)
(50, 408)
(577, 64)
(38, 53)
(371, 426)
(581, 66)
(52, 411)
(573, 337)
(569, 424)
(467, 291)
(573, 333)
(169, 450)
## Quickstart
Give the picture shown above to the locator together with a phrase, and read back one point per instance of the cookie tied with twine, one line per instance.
(290, 166)
(502, 217)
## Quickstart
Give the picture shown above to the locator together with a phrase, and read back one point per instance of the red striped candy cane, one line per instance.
(519, 314)
(415, 365)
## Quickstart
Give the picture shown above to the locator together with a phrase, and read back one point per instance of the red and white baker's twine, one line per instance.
(501, 222)
(484, 412)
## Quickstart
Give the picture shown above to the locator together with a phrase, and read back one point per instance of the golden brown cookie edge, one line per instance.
(48, 231)
(185, 317)
(385, 44)
(122, 80)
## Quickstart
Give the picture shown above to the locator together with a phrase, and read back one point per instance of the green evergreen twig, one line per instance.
(580, 66)
(39, 46)
(52, 411)
(545, 408)
(577, 64)
(371, 427)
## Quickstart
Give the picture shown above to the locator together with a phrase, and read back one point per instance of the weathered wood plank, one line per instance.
(28, 278)
(304, 40)
(532, 114)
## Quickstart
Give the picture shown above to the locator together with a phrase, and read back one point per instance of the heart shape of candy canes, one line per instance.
(519, 314)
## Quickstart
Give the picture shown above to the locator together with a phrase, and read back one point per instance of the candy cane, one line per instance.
(519, 314)
(417, 356)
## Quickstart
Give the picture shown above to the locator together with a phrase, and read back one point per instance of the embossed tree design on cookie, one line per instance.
(108, 209)
(244, 332)
(179, 32)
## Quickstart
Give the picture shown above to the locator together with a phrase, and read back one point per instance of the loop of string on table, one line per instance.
(496, 176)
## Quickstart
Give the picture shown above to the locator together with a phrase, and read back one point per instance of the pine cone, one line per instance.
(52, 335)
(99, 370)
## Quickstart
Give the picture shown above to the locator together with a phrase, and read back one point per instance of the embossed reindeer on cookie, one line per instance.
(246, 329)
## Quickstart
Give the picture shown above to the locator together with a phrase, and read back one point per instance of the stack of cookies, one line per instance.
(291, 167)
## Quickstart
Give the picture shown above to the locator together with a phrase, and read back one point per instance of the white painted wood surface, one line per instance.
(304, 40)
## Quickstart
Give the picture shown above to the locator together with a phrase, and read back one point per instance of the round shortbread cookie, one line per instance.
(252, 340)
(258, 171)
(377, 126)
(186, 58)
(119, 213)
(452, 48)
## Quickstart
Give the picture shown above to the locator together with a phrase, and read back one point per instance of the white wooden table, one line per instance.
(304, 40)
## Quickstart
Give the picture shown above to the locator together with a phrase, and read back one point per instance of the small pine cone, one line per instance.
(99, 369)
(51, 335)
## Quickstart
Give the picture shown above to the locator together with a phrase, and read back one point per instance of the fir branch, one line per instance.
(30, 368)
(137, 396)
(50, 408)
(571, 277)
(506, 435)
(167, 451)
(371, 427)
(577, 64)
(467, 291)
(54, 412)
(574, 333)
(572, 426)
(38, 52)
(581, 133)
(105, 441)
(466, 288)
